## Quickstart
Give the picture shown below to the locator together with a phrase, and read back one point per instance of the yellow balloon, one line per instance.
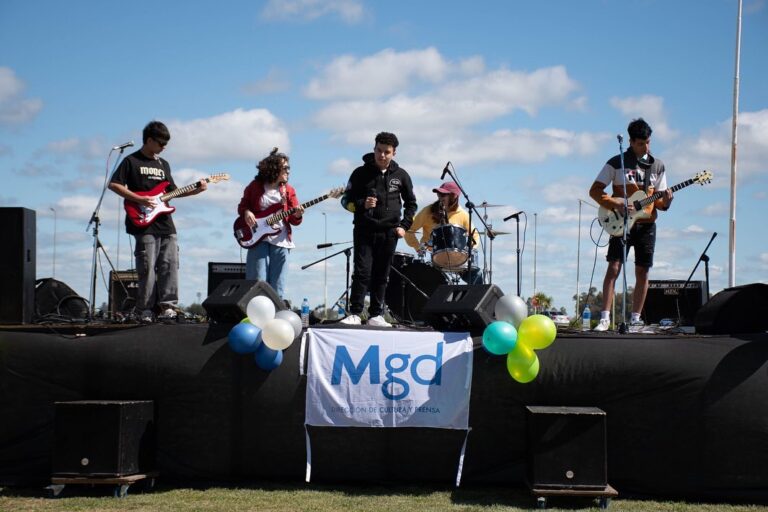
(521, 356)
(523, 373)
(537, 331)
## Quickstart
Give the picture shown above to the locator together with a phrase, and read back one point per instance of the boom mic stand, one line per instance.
(705, 259)
(348, 253)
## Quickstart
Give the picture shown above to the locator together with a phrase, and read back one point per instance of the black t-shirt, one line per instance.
(140, 173)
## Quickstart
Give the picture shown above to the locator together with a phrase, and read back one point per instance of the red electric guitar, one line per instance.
(143, 216)
(270, 221)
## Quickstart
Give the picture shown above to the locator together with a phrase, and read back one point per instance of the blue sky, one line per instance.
(525, 99)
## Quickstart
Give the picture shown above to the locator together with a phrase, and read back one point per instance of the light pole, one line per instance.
(535, 225)
(54, 240)
(578, 256)
(325, 268)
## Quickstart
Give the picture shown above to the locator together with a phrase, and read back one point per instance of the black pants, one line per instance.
(373, 257)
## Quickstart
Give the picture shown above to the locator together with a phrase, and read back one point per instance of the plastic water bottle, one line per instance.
(305, 313)
(586, 319)
(342, 313)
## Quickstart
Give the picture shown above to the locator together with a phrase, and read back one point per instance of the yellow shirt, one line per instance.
(423, 221)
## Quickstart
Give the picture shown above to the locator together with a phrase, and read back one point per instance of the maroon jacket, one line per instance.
(252, 200)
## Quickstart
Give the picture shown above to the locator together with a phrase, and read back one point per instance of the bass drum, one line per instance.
(403, 298)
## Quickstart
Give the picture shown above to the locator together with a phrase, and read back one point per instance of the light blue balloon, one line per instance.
(499, 338)
(268, 359)
(244, 338)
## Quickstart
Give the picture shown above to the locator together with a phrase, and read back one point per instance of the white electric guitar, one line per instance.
(613, 222)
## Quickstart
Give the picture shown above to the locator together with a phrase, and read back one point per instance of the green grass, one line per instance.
(322, 498)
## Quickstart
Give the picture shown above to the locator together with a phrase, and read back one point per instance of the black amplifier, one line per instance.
(123, 288)
(218, 272)
(667, 297)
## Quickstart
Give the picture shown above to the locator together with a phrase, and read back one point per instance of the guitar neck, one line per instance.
(181, 191)
(651, 198)
(277, 217)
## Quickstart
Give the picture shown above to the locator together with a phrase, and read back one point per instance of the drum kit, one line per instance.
(413, 279)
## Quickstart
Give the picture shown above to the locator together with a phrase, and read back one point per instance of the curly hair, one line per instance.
(390, 139)
(271, 166)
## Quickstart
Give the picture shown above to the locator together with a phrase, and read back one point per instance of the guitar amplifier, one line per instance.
(666, 297)
(218, 272)
(122, 298)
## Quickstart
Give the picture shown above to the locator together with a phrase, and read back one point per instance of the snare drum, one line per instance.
(449, 246)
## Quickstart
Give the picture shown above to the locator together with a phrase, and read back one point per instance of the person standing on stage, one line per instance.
(157, 252)
(642, 172)
(266, 260)
(377, 192)
(446, 210)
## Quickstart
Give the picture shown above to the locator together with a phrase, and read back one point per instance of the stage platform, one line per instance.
(687, 416)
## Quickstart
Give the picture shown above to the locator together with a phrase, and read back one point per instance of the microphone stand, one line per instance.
(96, 221)
(623, 329)
(517, 250)
(705, 259)
(348, 253)
(470, 208)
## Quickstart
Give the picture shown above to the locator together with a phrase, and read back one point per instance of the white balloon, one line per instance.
(277, 334)
(512, 309)
(260, 310)
(292, 319)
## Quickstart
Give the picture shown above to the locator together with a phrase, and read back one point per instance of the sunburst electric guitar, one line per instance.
(143, 216)
(613, 222)
(270, 221)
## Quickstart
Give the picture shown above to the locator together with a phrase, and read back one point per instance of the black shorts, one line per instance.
(642, 237)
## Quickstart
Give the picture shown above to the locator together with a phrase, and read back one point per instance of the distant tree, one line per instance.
(196, 309)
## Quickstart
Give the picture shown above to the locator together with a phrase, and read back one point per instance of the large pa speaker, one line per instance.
(218, 272)
(738, 310)
(104, 438)
(17, 265)
(228, 302)
(566, 447)
(666, 296)
(123, 288)
(461, 307)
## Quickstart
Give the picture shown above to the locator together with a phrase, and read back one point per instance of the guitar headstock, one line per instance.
(215, 178)
(703, 177)
(336, 192)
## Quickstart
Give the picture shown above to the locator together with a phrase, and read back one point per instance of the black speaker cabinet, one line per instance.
(665, 296)
(217, 272)
(122, 297)
(17, 265)
(104, 438)
(228, 302)
(461, 307)
(738, 310)
(566, 447)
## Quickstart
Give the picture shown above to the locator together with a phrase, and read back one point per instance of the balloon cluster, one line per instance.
(516, 334)
(265, 333)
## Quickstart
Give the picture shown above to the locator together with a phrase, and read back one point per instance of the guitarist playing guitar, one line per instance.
(641, 172)
(157, 254)
(267, 257)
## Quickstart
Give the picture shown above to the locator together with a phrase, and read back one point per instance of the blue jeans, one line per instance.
(157, 264)
(267, 262)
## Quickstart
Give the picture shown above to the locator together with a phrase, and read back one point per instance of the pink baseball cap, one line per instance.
(448, 187)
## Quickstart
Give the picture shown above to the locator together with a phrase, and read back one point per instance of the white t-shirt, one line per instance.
(272, 196)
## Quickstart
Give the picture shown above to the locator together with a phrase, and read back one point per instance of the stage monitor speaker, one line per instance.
(665, 296)
(566, 447)
(228, 302)
(104, 438)
(738, 310)
(122, 297)
(17, 265)
(461, 307)
(56, 301)
(218, 271)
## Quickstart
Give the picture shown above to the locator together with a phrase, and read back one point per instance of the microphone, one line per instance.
(123, 146)
(620, 138)
(513, 216)
(445, 171)
(323, 246)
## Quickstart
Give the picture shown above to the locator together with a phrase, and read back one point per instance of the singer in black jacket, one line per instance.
(380, 194)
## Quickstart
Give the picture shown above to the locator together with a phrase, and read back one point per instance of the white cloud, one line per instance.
(63, 146)
(350, 11)
(237, 135)
(15, 109)
(650, 108)
(272, 83)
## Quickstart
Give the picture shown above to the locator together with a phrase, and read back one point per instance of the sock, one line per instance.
(605, 315)
(635, 317)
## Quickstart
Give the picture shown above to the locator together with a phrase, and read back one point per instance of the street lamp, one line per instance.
(325, 268)
(535, 224)
(578, 255)
(54, 240)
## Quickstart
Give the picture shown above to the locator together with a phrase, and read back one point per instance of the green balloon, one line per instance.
(537, 331)
(499, 338)
(521, 372)
(245, 320)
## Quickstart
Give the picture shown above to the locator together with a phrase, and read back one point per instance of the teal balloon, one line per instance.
(268, 359)
(244, 338)
(499, 338)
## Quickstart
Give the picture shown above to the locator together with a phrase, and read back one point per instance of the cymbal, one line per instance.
(496, 233)
(488, 205)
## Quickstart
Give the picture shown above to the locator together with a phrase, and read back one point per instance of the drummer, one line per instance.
(446, 210)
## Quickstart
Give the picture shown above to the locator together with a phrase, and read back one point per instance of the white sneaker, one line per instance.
(378, 321)
(146, 316)
(602, 325)
(351, 320)
(167, 314)
(637, 322)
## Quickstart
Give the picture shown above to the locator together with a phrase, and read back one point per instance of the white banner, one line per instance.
(388, 378)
